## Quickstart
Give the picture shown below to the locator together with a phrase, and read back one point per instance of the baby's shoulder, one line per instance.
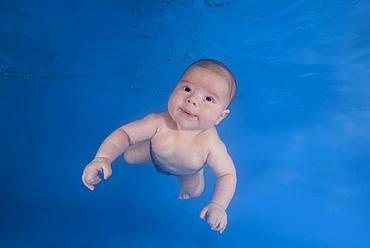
(161, 118)
(212, 138)
(214, 143)
(156, 116)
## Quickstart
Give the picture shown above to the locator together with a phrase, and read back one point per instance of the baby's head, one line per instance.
(202, 95)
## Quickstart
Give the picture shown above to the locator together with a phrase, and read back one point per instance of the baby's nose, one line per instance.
(191, 101)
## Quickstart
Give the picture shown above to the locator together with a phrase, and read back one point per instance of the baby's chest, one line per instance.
(179, 153)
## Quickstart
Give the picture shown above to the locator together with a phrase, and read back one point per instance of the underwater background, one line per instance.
(299, 130)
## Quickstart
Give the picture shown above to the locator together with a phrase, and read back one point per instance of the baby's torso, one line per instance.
(177, 155)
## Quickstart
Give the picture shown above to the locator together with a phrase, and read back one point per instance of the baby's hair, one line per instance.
(220, 69)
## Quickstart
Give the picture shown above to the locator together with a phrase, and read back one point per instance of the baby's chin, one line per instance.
(195, 126)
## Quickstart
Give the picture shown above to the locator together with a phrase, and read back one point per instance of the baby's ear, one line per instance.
(223, 115)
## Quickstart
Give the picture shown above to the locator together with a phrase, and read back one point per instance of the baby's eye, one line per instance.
(210, 99)
(187, 88)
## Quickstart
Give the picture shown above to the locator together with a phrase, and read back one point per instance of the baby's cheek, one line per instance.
(213, 116)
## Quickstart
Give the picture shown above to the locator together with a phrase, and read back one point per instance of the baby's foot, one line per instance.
(191, 185)
(183, 195)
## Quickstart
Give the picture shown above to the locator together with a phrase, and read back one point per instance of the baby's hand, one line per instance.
(216, 216)
(90, 175)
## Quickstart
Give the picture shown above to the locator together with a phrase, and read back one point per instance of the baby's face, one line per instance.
(200, 99)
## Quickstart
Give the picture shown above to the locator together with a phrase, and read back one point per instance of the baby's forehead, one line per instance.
(196, 74)
(199, 71)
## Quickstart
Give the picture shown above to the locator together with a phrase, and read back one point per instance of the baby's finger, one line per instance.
(221, 226)
(94, 180)
(89, 186)
(212, 220)
(224, 226)
(90, 177)
(203, 213)
(218, 225)
(107, 170)
(215, 225)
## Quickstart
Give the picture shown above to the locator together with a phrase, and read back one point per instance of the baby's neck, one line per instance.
(188, 134)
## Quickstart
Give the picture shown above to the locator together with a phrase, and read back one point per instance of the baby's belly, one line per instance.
(177, 166)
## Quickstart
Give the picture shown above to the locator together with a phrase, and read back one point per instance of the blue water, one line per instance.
(299, 129)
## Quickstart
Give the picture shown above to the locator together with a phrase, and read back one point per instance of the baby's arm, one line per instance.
(116, 144)
(221, 163)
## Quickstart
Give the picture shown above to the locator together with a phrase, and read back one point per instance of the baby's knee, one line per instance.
(134, 156)
(129, 157)
(198, 192)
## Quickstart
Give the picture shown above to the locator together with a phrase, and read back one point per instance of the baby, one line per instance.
(181, 140)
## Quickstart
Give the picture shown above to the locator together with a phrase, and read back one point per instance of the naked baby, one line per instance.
(181, 140)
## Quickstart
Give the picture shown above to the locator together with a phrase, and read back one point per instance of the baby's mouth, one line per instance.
(188, 113)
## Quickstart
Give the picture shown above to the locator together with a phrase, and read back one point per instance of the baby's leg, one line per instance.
(191, 185)
(138, 153)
